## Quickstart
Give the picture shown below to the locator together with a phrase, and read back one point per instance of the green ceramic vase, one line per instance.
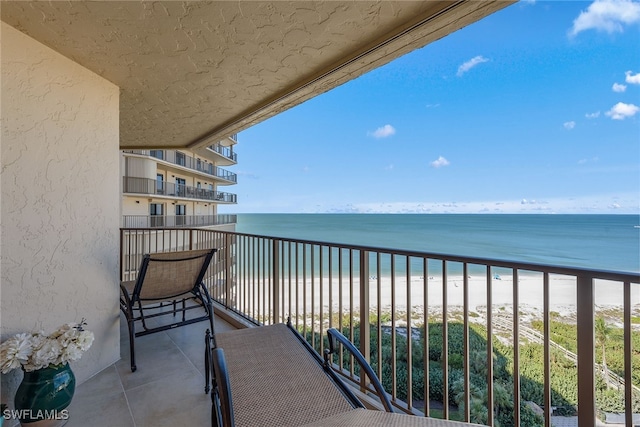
(44, 395)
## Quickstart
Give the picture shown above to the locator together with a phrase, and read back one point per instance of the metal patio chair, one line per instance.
(169, 283)
(277, 379)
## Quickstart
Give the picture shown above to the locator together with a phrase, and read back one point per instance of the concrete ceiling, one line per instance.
(192, 73)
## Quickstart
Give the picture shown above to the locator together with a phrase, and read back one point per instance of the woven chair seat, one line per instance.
(275, 381)
(366, 418)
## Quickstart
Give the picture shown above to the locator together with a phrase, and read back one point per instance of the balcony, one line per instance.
(155, 221)
(402, 308)
(226, 152)
(133, 185)
(188, 162)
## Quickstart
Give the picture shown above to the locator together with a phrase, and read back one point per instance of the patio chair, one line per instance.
(275, 378)
(278, 379)
(168, 283)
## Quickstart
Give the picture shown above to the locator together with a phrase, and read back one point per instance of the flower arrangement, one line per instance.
(33, 351)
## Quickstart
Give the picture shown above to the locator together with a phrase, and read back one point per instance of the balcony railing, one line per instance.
(155, 221)
(150, 186)
(430, 324)
(225, 151)
(189, 162)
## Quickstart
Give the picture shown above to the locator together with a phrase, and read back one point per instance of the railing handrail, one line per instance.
(187, 191)
(163, 221)
(224, 151)
(190, 162)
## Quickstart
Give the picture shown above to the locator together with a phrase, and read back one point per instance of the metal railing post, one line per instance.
(586, 352)
(227, 269)
(122, 255)
(365, 330)
(628, 384)
(275, 272)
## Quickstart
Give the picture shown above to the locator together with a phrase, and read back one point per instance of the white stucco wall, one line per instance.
(59, 200)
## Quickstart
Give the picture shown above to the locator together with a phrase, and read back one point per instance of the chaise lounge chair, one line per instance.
(277, 379)
(168, 284)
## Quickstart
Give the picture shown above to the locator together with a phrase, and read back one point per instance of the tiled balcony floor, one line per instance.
(166, 390)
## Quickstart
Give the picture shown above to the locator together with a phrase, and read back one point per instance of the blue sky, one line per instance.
(534, 109)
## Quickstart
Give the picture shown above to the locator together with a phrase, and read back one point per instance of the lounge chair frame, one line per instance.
(336, 336)
(170, 277)
(217, 376)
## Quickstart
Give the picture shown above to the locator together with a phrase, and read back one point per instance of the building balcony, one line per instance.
(155, 221)
(133, 185)
(402, 308)
(228, 156)
(183, 161)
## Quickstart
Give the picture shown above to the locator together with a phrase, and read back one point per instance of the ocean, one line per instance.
(603, 242)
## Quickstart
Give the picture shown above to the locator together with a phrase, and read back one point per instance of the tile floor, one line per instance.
(166, 390)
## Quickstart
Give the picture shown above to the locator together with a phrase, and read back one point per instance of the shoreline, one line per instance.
(562, 294)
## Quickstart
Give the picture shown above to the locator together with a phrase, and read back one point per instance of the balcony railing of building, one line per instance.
(226, 151)
(155, 221)
(402, 308)
(135, 185)
(189, 162)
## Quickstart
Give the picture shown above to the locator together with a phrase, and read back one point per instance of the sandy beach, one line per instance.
(386, 293)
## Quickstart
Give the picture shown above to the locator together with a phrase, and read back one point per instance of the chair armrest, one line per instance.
(335, 335)
(222, 402)
(125, 300)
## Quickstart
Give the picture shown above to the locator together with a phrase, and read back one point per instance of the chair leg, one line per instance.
(207, 362)
(207, 302)
(132, 335)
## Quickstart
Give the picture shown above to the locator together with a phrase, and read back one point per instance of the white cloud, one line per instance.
(433, 105)
(383, 132)
(470, 64)
(585, 161)
(249, 175)
(626, 203)
(569, 125)
(592, 115)
(621, 111)
(607, 15)
(631, 78)
(617, 87)
(389, 167)
(440, 162)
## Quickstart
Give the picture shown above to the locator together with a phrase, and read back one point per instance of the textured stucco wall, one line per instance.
(60, 201)
(130, 207)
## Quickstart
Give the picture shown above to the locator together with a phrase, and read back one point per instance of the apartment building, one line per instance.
(178, 188)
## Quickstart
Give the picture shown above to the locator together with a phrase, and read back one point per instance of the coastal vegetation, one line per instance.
(609, 396)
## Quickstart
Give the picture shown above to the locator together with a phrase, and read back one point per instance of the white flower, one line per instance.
(45, 355)
(62, 330)
(15, 352)
(84, 340)
(69, 353)
(38, 350)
